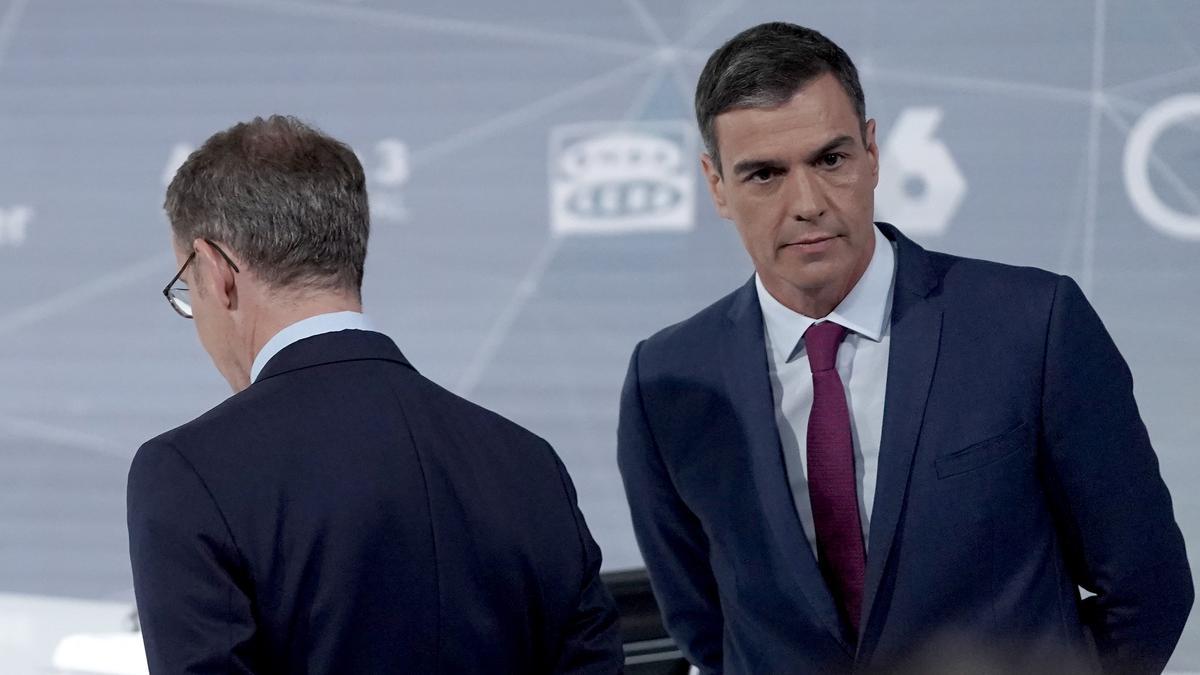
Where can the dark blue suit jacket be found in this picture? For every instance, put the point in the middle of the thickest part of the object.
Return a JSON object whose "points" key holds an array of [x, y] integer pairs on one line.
{"points": [[1013, 468], [346, 515]]}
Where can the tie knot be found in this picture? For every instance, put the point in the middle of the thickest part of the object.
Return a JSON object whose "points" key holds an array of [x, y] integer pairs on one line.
{"points": [[821, 341]]}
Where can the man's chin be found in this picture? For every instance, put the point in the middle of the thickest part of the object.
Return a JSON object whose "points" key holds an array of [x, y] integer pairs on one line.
{"points": [[814, 283], [812, 275]]}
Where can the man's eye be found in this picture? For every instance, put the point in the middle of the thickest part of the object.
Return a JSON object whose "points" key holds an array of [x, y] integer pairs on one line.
{"points": [[832, 160], [761, 176]]}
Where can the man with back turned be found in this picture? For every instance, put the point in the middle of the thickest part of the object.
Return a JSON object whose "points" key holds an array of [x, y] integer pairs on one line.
{"points": [[339, 513], [871, 452]]}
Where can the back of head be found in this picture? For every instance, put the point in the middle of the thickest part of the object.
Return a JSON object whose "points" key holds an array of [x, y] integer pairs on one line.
{"points": [[291, 201], [763, 67]]}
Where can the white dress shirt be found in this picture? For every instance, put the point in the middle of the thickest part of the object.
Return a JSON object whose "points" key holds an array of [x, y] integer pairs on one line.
{"points": [[306, 328], [862, 363]]}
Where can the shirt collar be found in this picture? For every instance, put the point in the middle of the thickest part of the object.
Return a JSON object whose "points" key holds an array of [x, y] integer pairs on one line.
{"points": [[865, 310], [306, 328]]}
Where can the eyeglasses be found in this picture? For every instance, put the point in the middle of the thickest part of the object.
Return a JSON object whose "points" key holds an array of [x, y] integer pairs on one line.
{"points": [[179, 296]]}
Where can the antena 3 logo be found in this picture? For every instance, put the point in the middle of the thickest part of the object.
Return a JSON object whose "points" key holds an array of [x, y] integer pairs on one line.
{"points": [[621, 177]]}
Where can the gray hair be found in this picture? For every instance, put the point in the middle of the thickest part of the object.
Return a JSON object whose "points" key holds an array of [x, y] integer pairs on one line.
{"points": [[291, 201], [763, 67]]}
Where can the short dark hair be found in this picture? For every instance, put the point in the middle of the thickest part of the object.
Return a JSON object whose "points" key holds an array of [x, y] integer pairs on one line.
{"points": [[763, 67], [291, 201]]}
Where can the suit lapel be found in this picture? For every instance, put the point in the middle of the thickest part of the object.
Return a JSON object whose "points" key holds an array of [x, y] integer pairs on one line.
{"points": [[749, 386], [915, 337]]}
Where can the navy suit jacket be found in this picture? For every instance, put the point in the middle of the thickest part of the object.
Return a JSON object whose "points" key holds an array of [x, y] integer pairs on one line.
{"points": [[344, 514], [1014, 468]]}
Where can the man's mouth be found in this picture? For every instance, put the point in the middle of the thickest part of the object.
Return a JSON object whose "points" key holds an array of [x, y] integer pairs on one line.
{"points": [[810, 242]]}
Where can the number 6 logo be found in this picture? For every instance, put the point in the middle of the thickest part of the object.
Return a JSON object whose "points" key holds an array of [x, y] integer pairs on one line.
{"points": [[920, 186]]}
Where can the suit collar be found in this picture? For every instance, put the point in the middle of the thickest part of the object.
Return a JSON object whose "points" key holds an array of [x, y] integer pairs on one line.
{"points": [[915, 273], [744, 304], [336, 347], [328, 322]]}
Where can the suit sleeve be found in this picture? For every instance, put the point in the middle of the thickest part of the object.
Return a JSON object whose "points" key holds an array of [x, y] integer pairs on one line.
{"points": [[592, 640], [1112, 505], [191, 592], [672, 540]]}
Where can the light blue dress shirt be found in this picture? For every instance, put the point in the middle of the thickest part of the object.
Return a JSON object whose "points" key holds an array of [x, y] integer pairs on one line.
{"points": [[306, 328]]}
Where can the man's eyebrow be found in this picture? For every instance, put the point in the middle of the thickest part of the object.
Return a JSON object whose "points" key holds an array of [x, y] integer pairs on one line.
{"points": [[830, 147], [753, 165], [747, 166]]}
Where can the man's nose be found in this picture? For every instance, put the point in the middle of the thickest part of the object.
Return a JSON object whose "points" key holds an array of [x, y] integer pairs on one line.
{"points": [[806, 196]]}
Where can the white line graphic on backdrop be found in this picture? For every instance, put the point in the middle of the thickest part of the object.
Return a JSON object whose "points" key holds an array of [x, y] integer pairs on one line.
{"points": [[504, 321], [647, 22], [527, 286], [84, 293], [1093, 148], [529, 112], [56, 433], [1162, 79], [432, 24], [710, 21], [980, 85], [667, 54]]}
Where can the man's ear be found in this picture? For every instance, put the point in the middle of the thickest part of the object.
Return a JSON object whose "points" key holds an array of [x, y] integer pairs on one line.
{"points": [[872, 150], [716, 185], [214, 275]]}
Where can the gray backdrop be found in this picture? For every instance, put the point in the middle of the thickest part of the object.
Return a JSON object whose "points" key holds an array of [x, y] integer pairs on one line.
{"points": [[538, 209]]}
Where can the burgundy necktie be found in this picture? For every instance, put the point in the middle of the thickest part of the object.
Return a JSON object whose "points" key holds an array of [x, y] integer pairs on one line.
{"points": [[831, 480]]}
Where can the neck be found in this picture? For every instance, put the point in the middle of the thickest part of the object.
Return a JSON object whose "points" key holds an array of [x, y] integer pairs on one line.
{"points": [[816, 302], [278, 313], [285, 314]]}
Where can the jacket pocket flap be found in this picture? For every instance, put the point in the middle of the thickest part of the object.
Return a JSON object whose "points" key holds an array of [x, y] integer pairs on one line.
{"points": [[982, 453]]}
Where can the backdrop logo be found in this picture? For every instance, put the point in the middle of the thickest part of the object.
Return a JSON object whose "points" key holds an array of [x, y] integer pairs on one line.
{"points": [[613, 178], [920, 186], [1139, 147], [14, 225], [387, 179], [176, 156]]}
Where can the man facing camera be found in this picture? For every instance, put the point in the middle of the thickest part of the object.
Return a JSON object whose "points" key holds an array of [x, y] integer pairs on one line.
{"points": [[871, 450], [340, 513]]}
